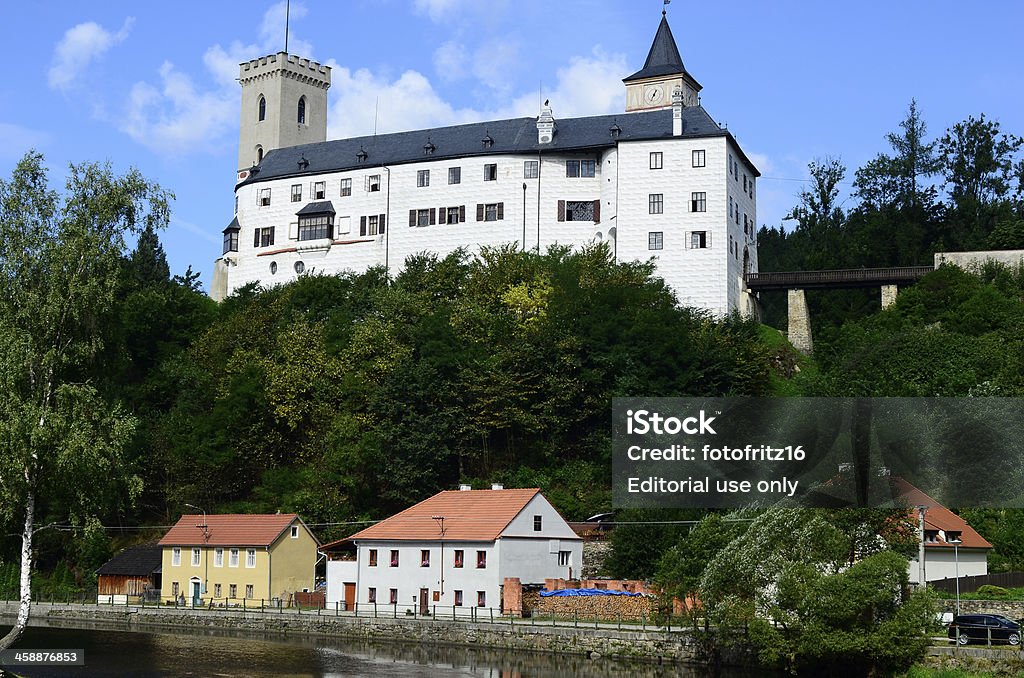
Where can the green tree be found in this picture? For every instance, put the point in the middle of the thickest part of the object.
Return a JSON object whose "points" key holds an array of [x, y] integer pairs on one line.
{"points": [[60, 265]]}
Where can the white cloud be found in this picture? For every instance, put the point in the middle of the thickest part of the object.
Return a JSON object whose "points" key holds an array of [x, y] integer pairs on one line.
{"points": [[80, 46], [450, 61], [762, 162], [272, 30], [587, 86], [438, 9], [195, 230]]}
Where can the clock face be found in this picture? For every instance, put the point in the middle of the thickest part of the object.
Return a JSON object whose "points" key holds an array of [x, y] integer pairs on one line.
{"points": [[654, 95]]}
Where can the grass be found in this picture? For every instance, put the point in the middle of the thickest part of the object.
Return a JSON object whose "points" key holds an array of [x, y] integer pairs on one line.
{"points": [[925, 672], [791, 369]]}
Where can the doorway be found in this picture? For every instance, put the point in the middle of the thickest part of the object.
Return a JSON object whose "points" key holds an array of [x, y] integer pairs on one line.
{"points": [[197, 589], [424, 602], [350, 595]]}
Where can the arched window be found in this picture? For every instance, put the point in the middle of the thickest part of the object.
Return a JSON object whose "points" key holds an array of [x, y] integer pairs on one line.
{"points": [[302, 110], [263, 109], [259, 154]]}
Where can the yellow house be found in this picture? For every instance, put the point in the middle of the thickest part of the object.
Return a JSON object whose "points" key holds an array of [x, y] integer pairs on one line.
{"points": [[237, 559]]}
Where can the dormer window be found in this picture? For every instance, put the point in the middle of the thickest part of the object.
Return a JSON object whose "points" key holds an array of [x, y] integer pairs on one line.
{"points": [[361, 156], [615, 130], [263, 109], [429, 148], [231, 237], [316, 221], [302, 111], [487, 141]]}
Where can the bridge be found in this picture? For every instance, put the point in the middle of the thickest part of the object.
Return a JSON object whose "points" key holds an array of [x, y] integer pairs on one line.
{"points": [[799, 328]]}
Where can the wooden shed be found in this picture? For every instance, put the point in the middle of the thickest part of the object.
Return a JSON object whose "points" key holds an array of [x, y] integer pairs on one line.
{"points": [[132, 574]]}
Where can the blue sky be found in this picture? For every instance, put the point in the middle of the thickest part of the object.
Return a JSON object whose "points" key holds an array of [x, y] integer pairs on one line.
{"points": [[151, 85]]}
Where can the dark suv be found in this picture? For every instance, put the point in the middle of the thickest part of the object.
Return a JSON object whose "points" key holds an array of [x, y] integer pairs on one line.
{"points": [[966, 628]]}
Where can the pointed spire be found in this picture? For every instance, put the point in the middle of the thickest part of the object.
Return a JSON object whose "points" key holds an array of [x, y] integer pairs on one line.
{"points": [[663, 59]]}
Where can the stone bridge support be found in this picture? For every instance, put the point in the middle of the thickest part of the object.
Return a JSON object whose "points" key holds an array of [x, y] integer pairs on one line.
{"points": [[798, 330], [889, 293]]}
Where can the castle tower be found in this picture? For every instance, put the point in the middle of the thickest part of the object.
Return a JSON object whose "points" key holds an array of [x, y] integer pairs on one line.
{"points": [[284, 103], [652, 86]]}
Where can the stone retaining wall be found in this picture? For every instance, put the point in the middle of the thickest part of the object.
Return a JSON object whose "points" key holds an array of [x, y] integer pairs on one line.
{"points": [[605, 608], [1014, 609]]}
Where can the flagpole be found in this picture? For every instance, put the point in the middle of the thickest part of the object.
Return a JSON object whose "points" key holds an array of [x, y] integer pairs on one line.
{"points": [[287, 14]]}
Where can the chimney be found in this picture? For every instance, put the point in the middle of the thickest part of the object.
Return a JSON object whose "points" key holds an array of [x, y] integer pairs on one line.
{"points": [[677, 112], [545, 124], [497, 486], [465, 488]]}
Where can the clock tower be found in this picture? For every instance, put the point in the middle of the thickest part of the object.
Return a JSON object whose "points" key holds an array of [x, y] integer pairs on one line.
{"points": [[652, 86]]}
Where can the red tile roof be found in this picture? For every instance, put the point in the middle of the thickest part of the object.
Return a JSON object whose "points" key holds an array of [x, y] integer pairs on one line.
{"points": [[229, 529], [938, 517], [470, 515]]}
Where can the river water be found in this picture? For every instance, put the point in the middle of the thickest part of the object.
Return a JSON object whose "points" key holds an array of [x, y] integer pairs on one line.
{"points": [[111, 652]]}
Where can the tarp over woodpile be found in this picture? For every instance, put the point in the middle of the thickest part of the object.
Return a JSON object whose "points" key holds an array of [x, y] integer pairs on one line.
{"points": [[565, 593]]}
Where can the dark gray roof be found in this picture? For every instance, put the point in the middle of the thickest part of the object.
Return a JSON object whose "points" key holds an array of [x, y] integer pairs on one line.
{"points": [[512, 136], [137, 560], [233, 226], [321, 207], [663, 59]]}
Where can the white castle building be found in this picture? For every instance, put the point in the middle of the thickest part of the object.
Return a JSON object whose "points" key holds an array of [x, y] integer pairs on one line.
{"points": [[662, 180]]}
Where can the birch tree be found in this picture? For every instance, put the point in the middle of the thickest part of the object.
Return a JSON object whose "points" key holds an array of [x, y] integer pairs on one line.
{"points": [[61, 441]]}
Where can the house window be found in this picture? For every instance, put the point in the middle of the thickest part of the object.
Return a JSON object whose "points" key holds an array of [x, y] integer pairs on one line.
{"points": [[656, 159], [458, 599], [655, 203], [295, 531], [730, 208], [538, 522], [264, 197], [425, 558], [233, 560], [394, 558], [744, 182], [393, 596], [580, 168], [491, 172], [698, 202], [299, 267], [373, 557], [301, 113], [531, 169], [263, 109], [564, 558], [419, 217], [218, 557], [296, 192], [481, 599], [250, 558], [481, 559], [319, 190], [316, 226], [372, 183], [216, 590], [698, 158], [372, 225], [232, 590], [263, 237], [455, 215], [952, 536], [454, 175], [175, 589], [490, 211], [196, 556], [459, 557], [699, 240], [371, 594], [259, 154], [230, 240], [655, 240], [579, 210], [346, 187], [248, 591], [176, 556], [422, 178]]}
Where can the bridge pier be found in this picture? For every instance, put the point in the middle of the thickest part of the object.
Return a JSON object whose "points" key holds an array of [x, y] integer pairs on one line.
{"points": [[798, 330], [889, 293]]}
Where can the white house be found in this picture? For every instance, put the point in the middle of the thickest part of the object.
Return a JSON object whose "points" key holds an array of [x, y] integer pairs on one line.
{"points": [[454, 550], [660, 181]]}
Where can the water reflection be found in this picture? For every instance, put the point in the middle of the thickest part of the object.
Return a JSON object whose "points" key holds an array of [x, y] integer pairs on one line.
{"points": [[110, 650]]}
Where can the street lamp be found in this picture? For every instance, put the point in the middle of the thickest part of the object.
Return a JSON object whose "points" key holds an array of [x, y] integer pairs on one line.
{"points": [[440, 527], [206, 540], [955, 541]]}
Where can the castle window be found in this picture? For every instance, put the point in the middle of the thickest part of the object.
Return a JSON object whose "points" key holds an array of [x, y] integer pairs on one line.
{"points": [[490, 211], [655, 203], [264, 237], [455, 215], [579, 210], [346, 187], [580, 168], [422, 178], [454, 175], [698, 202], [657, 159], [263, 109], [259, 154], [531, 169], [698, 158], [296, 192], [300, 268], [264, 197], [230, 241], [302, 111], [655, 240], [491, 172], [371, 225], [315, 226], [698, 240], [373, 183], [319, 190]]}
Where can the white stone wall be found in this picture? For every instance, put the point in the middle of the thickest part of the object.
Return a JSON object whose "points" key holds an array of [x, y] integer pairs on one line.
{"points": [[972, 260], [941, 564], [709, 278]]}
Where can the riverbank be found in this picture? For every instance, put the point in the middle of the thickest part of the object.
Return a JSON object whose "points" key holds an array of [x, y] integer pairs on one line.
{"points": [[659, 645]]}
